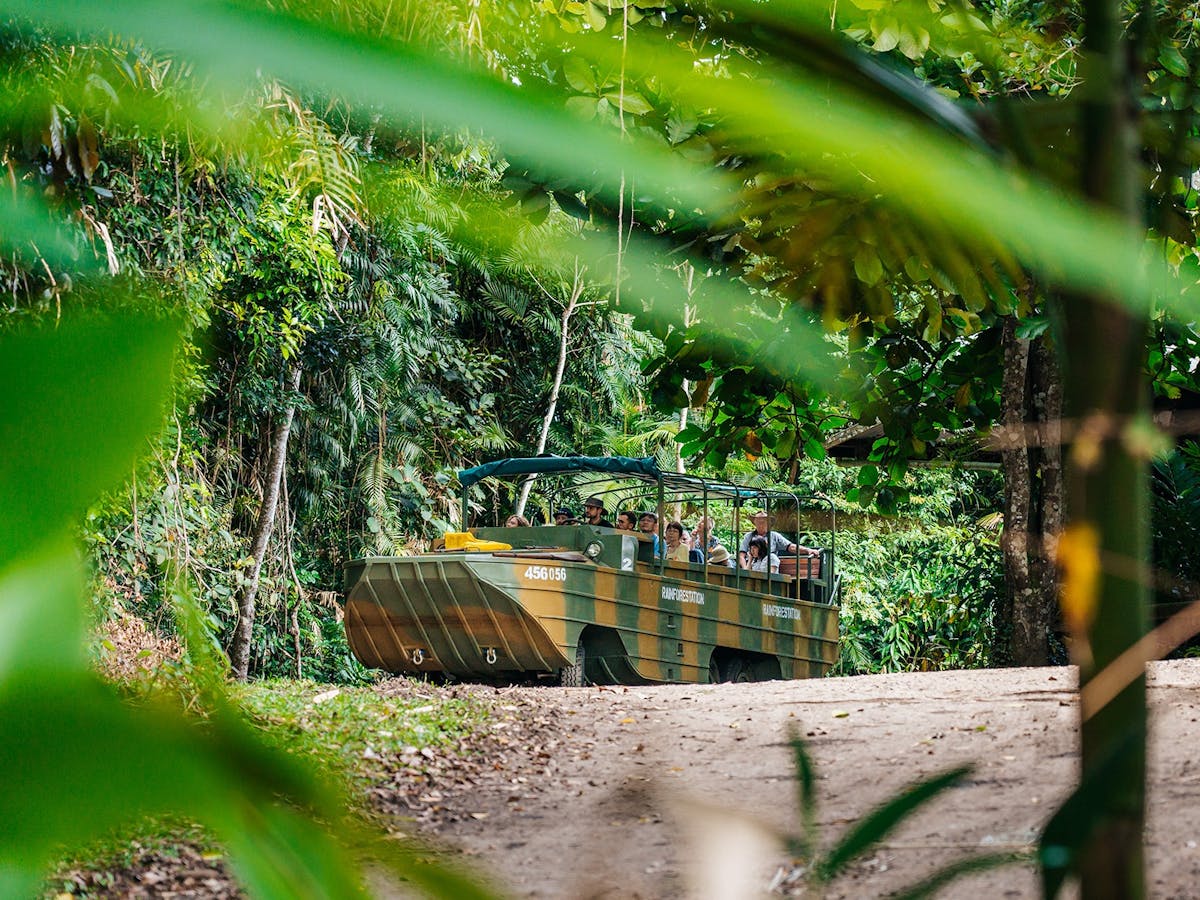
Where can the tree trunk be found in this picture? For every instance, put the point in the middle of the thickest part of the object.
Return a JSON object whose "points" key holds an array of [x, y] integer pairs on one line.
{"points": [[1018, 499], [1106, 484], [1045, 385], [239, 653], [1033, 498], [555, 387]]}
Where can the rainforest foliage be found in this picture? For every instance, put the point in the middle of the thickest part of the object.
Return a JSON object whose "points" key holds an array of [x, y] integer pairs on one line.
{"points": [[420, 347], [346, 243], [321, 243]]}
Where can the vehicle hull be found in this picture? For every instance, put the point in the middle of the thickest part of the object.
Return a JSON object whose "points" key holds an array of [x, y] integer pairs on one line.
{"points": [[491, 616]]}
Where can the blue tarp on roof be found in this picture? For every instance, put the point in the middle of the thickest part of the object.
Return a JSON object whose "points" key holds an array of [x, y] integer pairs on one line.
{"points": [[644, 467]]}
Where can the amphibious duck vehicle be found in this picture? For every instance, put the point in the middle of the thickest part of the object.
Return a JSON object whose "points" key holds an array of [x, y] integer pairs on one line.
{"points": [[582, 603]]}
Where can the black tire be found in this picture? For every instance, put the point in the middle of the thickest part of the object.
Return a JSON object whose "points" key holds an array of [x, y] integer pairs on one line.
{"points": [[573, 676], [767, 669], [738, 671], [714, 670]]}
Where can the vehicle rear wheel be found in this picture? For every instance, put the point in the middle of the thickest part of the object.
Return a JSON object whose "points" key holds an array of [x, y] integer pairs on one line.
{"points": [[714, 670], [573, 676], [767, 669]]}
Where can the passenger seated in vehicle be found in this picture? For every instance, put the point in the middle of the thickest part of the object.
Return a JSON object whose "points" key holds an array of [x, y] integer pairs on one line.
{"points": [[593, 513], [761, 559], [720, 557], [778, 544], [703, 538], [564, 516], [676, 548], [626, 520], [515, 521], [648, 524]]}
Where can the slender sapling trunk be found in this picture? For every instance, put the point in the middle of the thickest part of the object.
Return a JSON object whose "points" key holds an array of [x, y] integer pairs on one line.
{"points": [[239, 653]]}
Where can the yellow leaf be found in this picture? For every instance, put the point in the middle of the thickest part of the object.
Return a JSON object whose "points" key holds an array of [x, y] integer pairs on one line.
{"points": [[627, 721], [1078, 557]]}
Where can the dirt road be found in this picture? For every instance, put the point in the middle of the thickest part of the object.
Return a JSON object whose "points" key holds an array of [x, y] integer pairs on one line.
{"points": [[667, 791], [680, 791]]}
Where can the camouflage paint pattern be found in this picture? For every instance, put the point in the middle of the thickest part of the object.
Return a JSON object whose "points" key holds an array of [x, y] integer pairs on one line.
{"points": [[492, 615]]}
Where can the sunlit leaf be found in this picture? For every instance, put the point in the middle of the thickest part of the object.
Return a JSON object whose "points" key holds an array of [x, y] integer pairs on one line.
{"points": [[579, 75], [595, 17], [630, 102], [939, 182], [1174, 62], [1078, 556]]}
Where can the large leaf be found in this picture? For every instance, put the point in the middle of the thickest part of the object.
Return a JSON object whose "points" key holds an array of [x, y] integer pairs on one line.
{"points": [[235, 43], [41, 617], [794, 341], [882, 820], [806, 790], [929, 887], [26, 224], [841, 135], [76, 405], [824, 129], [1082, 815], [89, 763]]}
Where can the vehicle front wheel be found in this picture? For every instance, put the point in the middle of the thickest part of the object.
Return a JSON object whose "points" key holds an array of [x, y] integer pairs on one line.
{"points": [[573, 676]]}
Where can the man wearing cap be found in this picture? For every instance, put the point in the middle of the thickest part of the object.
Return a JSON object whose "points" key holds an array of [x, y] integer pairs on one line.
{"points": [[564, 516], [776, 542], [593, 513]]}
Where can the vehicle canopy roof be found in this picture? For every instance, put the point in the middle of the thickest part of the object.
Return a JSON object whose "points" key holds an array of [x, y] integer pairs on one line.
{"points": [[642, 468]]}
